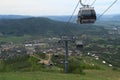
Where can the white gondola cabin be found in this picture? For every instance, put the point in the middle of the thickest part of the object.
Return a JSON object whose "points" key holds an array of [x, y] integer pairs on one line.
{"points": [[86, 15]]}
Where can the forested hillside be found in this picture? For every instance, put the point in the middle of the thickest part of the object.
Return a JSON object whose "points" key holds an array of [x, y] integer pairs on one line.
{"points": [[45, 26]]}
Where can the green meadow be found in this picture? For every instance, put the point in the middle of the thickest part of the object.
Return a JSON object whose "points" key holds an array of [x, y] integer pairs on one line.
{"points": [[89, 75]]}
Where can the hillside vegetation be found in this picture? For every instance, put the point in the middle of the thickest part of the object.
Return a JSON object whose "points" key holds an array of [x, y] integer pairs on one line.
{"points": [[45, 26], [27, 68]]}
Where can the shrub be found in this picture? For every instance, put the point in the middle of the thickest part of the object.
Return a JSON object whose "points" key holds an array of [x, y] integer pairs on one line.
{"points": [[75, 66]]}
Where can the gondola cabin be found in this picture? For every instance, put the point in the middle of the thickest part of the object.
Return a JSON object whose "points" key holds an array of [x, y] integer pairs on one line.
{"points": [[79, 45], [86, 15]]}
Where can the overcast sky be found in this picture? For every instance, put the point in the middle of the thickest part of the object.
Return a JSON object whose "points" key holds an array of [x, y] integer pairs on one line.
{"points": [[52, 7]]}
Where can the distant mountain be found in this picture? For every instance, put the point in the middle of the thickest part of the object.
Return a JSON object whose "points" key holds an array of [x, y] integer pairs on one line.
{"points": [[63, 18], [110, 18], [116, 17], [13, 17], [74, 18], [45, 26]]}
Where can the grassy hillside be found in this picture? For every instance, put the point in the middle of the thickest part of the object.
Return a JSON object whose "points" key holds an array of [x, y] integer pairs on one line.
{"points": [[105, 73], [90, 75]]}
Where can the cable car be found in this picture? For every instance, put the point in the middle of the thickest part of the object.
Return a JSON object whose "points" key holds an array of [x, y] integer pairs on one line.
{"points": [[79, 45], [86, 15]]}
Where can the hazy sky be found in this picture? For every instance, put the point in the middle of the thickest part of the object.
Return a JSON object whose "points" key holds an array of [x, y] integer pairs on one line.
{"points": [[52, 7]]}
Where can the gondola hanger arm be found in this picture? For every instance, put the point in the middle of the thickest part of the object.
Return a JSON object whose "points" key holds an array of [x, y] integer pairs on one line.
{"points": [[83, 4]]}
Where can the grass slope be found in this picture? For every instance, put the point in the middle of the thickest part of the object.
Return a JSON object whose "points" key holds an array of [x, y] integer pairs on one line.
{"points": [[105, 73], [90, 75]]}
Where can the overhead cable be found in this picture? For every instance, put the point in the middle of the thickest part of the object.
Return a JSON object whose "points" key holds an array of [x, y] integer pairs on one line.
{"points": [[93, 3], [107, 9], [73, 13]]}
